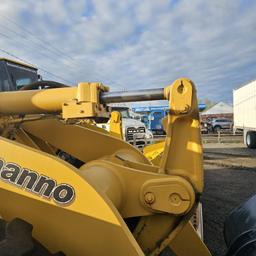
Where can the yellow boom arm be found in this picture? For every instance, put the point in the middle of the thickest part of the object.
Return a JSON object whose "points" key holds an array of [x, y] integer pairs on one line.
{"points": [[115, 202]]}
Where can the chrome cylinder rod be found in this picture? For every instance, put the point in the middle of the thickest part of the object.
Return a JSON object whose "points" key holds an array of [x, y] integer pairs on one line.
{"points": [[130, 96]]}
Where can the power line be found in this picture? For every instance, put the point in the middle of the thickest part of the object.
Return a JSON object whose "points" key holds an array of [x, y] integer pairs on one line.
{"points": [[4, 35], [110, 81], [71, 67], [72, 71], [41, 46], [49, 46], [44, 70], [19, 42]]}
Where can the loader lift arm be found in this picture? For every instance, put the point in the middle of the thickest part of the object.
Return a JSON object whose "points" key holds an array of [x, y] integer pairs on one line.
{"points": [[115, 175]]}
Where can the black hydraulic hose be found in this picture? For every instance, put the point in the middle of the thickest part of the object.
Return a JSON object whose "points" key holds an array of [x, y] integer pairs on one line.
{"points": [[43, 84]]}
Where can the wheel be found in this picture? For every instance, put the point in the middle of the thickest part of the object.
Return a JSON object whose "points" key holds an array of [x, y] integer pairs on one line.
{"points": [[251, 139], [239, 229], [16, 240], [216, 128]]}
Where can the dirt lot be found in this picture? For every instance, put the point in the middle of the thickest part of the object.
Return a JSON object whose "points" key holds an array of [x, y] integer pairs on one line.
{"points": [[225, 188]]}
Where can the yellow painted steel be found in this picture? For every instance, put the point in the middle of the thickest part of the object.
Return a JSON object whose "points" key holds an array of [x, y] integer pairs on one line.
{"points": [[115, 181], [78, 228], [132, 196], [19, 63], [115, 125], [154, 152], [35, 101], [178, 159], [83, 142], [73, 102], [187, 242], [195, 246], [183, 135], [86, 103]]}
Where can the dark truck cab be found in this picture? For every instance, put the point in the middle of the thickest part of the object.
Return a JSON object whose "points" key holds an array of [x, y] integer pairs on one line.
{"points": [[14, 75]]}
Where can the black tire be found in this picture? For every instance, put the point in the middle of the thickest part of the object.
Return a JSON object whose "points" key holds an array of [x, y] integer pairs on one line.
{"points": [[16, 240], [250, 139]]}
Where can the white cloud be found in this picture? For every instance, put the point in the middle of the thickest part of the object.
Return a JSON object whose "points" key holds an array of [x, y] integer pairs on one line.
{"points": [[137, 44]]}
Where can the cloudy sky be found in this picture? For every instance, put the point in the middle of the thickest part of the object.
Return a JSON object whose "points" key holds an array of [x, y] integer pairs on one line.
{"points": [[131, 44]]}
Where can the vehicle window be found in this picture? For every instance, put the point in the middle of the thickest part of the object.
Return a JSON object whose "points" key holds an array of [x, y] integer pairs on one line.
{"points": [[21, 75], [144, 119], [124, 112], [23, 81], [157, 114], [224, 120], [4, 82]]}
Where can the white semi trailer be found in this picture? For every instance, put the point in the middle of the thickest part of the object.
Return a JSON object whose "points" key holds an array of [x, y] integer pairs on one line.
{"points": [[244, 102]]}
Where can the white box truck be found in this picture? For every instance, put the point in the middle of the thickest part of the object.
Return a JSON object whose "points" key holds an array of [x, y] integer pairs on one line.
{"points": [[244, 102]]}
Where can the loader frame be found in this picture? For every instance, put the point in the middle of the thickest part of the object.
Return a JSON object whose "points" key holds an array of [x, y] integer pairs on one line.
{"points": [[115, 186]]}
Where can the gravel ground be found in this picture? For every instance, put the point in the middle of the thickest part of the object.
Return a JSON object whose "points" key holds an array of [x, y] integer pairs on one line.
{"points": [[238, 149], [225, 188]]}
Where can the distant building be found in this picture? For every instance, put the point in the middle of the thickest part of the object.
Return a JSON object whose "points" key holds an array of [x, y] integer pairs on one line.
{"points": [[219, 110]]}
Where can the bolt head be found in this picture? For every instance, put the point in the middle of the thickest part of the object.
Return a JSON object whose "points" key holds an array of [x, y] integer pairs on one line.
{"points": [[175, 199], [149, 198]]}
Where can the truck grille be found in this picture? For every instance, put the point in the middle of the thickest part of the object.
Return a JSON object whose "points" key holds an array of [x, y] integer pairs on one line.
{"points": [[132, 130]]}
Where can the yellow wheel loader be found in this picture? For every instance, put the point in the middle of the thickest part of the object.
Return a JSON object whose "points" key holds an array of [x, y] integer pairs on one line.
{"points": [[82, 191]]}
